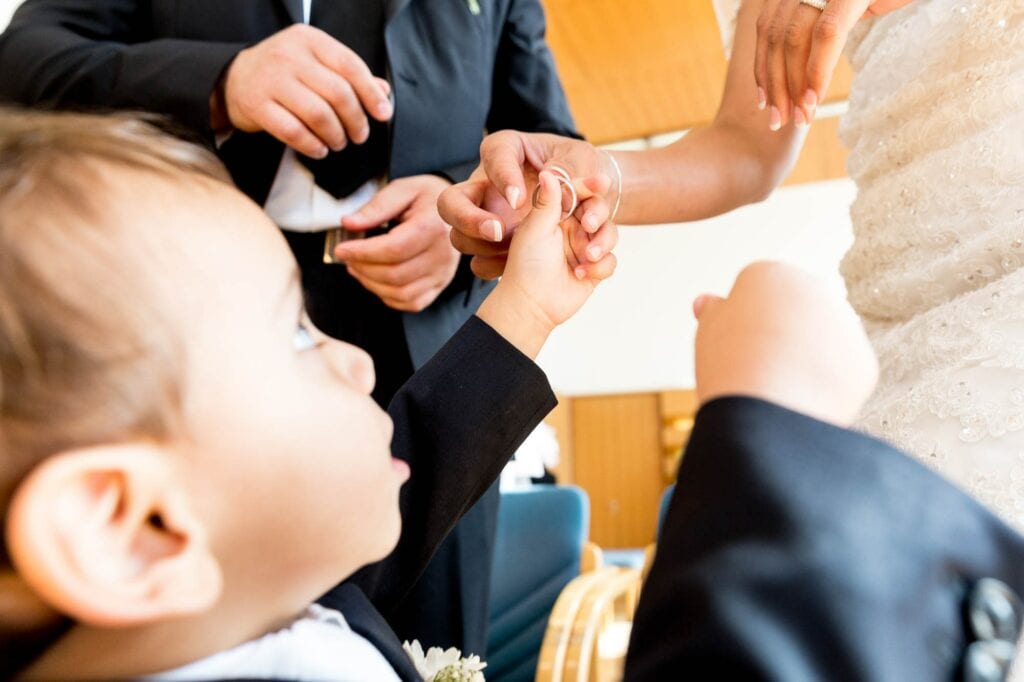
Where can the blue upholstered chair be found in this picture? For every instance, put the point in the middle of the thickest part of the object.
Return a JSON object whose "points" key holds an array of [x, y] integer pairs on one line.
{"points": [[541, 533]]}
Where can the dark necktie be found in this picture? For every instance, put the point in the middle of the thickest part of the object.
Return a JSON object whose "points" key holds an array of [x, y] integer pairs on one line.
{"points": [[359, 24]]}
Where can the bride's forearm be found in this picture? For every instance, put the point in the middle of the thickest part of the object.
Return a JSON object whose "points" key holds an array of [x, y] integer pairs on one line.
{"points": [[708, 172]]}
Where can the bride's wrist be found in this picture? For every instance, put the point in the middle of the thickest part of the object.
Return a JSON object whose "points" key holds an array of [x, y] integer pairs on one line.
{"points": [[613, 170]]}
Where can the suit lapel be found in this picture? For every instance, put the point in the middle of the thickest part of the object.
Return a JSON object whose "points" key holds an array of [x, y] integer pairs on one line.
{"points": [[366, 621], [294, 8]]}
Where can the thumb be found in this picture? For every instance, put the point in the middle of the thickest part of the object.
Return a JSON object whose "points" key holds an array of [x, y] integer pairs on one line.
{"points": [[704, 303], [547, 203], [387, 204]]}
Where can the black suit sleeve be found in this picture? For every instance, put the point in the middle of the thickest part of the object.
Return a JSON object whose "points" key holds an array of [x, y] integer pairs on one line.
{"points": [[101, 55], [794, 550], [458, 420]]}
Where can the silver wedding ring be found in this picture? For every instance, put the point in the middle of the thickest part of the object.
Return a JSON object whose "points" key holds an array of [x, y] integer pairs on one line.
{"points": [[564, 178], [816, 4]]}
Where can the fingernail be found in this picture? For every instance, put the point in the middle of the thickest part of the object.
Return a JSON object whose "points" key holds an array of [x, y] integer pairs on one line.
{"points": [[492, 230], [513, 194], [321, 153], [810, 101], [762, 98], [384, 109], [594, 252], [580, 272], [775, 119], [799, 119], [590, 221]]}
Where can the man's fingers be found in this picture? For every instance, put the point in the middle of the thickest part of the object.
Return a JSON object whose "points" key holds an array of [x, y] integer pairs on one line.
{"points": [[502, 156], [396, 275], [388, 204], [488, 267], [338, 93], [402, 243], [827, 42], [459, 206], [343, 61], [281, 123], [798, 47], [314, 112], [411, 297]]}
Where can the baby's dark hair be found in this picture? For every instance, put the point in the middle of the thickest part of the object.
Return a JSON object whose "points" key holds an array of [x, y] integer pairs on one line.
{"points": [[86, 357]]}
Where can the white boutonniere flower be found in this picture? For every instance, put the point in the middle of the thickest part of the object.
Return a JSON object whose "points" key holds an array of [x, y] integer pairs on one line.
{"points": [[438, 665], [474, 6]]}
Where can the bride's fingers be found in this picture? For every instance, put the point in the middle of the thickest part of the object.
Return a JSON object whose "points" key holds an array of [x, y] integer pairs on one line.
{"points": [[778, 92], [589, 248], [479, 247], [829, 38], [593, 213], [486, 267], [502, 156], [764, 21], [798, 47], [601, 270], [459, 206]]}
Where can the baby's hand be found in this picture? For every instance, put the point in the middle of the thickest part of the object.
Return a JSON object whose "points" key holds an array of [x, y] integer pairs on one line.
{"points": [[784, 337], [544, 282]]}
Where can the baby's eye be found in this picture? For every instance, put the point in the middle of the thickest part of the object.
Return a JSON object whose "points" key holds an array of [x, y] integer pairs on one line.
{"points": [[303, 339]]}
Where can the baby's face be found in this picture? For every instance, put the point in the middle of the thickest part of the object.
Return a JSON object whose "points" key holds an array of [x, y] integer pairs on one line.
{"points": [[289, 461]]}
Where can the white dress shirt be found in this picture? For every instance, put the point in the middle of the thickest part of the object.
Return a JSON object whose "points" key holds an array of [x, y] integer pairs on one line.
{"points": [[296, 203]]}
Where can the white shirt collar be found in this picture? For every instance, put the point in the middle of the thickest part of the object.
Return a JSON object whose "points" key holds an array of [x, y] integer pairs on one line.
{"points": [[318, 645]]}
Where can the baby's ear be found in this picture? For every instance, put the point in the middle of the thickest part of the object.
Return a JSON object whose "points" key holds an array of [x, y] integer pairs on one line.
{"points": [[106, 535]]}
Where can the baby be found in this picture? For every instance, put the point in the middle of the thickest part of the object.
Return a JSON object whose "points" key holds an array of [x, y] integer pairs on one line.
{"points": [[186, 463]]}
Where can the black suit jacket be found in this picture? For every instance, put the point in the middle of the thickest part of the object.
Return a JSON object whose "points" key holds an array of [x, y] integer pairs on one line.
{"points": [[454, 75], [457, 422], [792, 550]]}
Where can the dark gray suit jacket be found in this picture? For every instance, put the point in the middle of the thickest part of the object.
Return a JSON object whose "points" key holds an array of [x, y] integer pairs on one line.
{"points": [[455, 74]]}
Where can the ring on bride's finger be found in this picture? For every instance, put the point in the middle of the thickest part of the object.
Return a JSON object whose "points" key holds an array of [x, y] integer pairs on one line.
{"points": [[563, 178], [816, 4]]}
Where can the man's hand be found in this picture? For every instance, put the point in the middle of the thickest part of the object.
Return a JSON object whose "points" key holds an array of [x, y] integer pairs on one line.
{"points": [[410, 266], [783, 337], [798, 48], [305, 88], [485, 211], [544, 283]]}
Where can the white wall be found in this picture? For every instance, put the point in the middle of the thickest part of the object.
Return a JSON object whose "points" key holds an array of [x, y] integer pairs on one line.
{"points": [[636, 333]]}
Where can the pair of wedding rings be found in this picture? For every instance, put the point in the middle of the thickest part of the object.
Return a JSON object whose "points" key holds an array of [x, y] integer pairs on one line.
{"points": [[565, 180]]}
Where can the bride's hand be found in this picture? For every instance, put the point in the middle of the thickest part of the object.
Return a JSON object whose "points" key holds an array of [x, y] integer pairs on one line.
{"points": [[485, 210], [798, 48]]}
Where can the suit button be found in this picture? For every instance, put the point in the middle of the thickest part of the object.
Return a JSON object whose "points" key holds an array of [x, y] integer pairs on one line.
{"points": [[994, 611], [988, 661]]}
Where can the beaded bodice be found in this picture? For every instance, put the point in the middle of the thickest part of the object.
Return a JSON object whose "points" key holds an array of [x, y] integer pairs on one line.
{"points": [[936, 138]]}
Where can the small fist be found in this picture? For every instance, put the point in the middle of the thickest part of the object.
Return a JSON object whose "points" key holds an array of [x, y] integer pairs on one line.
{"points": [[783, 336]]}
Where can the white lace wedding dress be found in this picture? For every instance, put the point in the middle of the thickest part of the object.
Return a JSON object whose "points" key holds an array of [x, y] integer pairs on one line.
{"points": [[935, 130]]}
